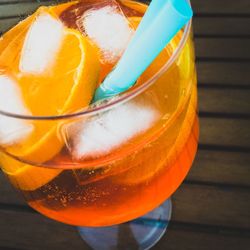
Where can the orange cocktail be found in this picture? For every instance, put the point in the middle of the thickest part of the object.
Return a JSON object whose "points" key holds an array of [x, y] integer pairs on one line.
{"points": [[99, 164]]}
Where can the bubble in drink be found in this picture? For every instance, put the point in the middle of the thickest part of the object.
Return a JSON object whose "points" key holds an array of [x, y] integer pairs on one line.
{"points": [[41, 44], [12, 130], [105, 132]]}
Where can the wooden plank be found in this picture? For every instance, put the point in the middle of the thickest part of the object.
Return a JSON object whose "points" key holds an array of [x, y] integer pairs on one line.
{"points": [[224, 100], [22, 8], [224, 73], [6, 24], [225, 132], [33, 231], [8, 195], [212, 205], [228, 7], [177, 238], [223, 168], [22, 1], [40, 233], [226, 48], [13, 1], [221, 27]]}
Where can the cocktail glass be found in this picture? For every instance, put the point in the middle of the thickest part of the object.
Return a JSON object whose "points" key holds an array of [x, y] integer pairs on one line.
{"points": [[110, 169]]}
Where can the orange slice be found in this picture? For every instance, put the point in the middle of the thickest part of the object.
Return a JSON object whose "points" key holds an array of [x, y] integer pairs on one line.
{"points": [[66, 87], [12, 37]]}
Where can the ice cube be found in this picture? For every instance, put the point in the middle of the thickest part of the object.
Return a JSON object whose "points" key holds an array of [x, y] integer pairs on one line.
{"points": [[105, 132], [41, 44], [108, 28], [12, 130]]}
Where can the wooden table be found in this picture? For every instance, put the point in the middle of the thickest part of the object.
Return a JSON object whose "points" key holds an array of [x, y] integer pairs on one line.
{"points": [[211, 209]]}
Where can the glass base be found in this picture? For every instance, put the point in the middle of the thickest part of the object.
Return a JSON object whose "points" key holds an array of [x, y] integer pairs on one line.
{"points": [[141, 233]]}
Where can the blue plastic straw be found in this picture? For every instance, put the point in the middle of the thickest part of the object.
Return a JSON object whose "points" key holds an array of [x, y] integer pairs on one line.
{"points": [[149, 15], [162, 22]]}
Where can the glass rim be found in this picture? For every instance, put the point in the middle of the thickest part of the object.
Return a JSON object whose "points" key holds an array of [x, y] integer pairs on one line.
{"points": [[118, 99]]}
